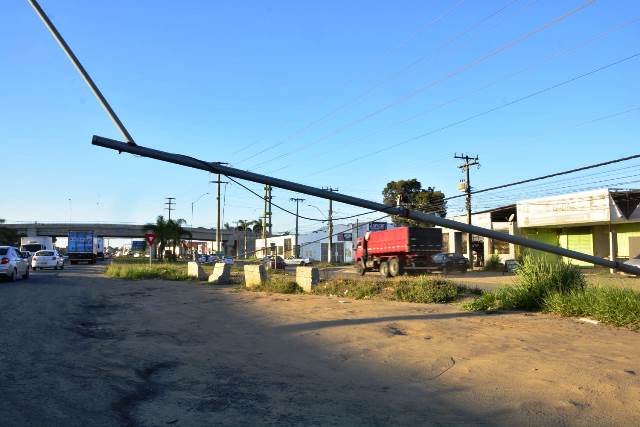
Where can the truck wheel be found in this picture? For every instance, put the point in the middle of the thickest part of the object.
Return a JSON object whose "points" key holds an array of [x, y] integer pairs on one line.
{"points": [[395, 267], [384, 269], [360, 268]]}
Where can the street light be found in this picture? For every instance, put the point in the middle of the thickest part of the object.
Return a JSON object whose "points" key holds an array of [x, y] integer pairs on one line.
{"points": [[321, 213], [192, 204]]}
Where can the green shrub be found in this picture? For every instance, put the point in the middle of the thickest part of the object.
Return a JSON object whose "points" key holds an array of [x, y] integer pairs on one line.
{"points": [[280, 285], [426, 290], [535, 279], [358, 289], [493, 264], [166, 271], [614, 306], [422, 289]]}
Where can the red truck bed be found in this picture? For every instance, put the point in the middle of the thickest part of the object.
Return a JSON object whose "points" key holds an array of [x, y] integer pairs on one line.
{"points": [[405, 240]]}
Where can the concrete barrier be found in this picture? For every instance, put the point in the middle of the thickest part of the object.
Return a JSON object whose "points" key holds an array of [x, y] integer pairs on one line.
{"points": [[195, 270], [307, 277], [254, 275], [221, 273]]}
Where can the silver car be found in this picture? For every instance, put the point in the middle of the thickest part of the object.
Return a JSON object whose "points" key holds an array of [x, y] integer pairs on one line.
{"points": [[13, 263], [634, 261]]}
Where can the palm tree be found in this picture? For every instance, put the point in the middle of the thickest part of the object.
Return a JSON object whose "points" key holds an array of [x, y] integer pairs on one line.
{"points": [[257, 226], [176, 233], [162, 230]]}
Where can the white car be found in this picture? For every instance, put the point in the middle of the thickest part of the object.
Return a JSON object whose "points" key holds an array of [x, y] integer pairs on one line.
{"points": [[13, 263], [297, 261], [47, 259]]}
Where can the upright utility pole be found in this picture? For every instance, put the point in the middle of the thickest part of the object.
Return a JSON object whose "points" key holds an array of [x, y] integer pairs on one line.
{"points": [[269, 211], [170, 203], [330, 219], [468, 162], [218, 234], [265, 216], [297, 247]]}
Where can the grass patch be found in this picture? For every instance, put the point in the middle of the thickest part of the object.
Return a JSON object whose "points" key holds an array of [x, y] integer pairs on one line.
{"points": [[134, 271], [278, 284], [614, 306], [421, 289], [556, 287], [535, 280]]}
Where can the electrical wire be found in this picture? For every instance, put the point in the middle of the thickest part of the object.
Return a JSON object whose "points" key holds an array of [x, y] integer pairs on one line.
{"points": [[411, 94], [558, 54], [369, 90], [480, 114], [293, 213]]}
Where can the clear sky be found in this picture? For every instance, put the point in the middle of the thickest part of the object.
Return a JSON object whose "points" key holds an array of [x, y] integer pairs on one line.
{"points": [[327, 93]]}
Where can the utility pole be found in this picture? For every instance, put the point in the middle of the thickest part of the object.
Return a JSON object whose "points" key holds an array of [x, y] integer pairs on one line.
{"points": [[218, 234], [266, 217], [330, 219], [170, 203], [269, 211], [297, 247], [468, 162]]}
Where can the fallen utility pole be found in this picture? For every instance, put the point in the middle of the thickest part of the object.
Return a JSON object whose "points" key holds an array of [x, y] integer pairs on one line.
{"points": [[427, 218]]}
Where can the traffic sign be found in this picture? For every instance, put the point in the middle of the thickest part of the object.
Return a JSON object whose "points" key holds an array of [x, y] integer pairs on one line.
{"points": [[150, 238]]}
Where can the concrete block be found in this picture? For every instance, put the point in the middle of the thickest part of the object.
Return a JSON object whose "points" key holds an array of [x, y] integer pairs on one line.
{"points": [[221, 273], [307, 277], [195, 270], [254, 275]]}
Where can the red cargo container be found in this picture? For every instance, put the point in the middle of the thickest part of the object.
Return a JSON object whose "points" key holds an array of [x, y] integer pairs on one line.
{"points": [[392, 251]]}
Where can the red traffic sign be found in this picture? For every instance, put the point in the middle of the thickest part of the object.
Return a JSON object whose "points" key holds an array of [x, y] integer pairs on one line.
{"points": [[150, 238]]}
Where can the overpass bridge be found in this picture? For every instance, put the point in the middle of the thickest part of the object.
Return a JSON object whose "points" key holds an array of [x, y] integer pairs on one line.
{"points": [[133, 231]]}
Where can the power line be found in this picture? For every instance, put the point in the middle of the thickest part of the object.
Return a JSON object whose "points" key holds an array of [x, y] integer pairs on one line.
{"points": [[503, 78], [368, 91], [293, 213], [477, 115], [409, 95]]}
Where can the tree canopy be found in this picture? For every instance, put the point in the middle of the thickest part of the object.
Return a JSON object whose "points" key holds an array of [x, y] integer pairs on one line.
{"points": [[409, 193]]}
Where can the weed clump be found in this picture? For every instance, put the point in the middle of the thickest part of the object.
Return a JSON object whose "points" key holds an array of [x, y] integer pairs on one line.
{"points": [[140, 272], [614, 306], [426, 290], [279, 285], [556, 287], [536, 279], [422, 289]]}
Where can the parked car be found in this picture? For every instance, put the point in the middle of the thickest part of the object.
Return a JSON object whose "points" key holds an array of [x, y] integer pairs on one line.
{"points": [[227, 260], [297, 261], [450, 262], [274, 262], [13, 263], [47, 259]]}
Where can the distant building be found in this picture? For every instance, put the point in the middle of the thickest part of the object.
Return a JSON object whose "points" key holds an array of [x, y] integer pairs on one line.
{"points": [[602, 222]]}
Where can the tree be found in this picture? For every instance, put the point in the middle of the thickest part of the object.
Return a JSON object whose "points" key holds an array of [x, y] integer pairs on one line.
{"points": [[8, 236], [257, 226], [161, 229], [175, 234], [411, 195]]}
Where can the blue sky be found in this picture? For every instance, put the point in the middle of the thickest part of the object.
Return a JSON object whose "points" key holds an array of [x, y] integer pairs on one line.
{"points": [[313, 85]]}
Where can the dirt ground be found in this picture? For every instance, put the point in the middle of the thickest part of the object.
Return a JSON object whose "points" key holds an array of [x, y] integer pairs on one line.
{"points": [[77, 348]]}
